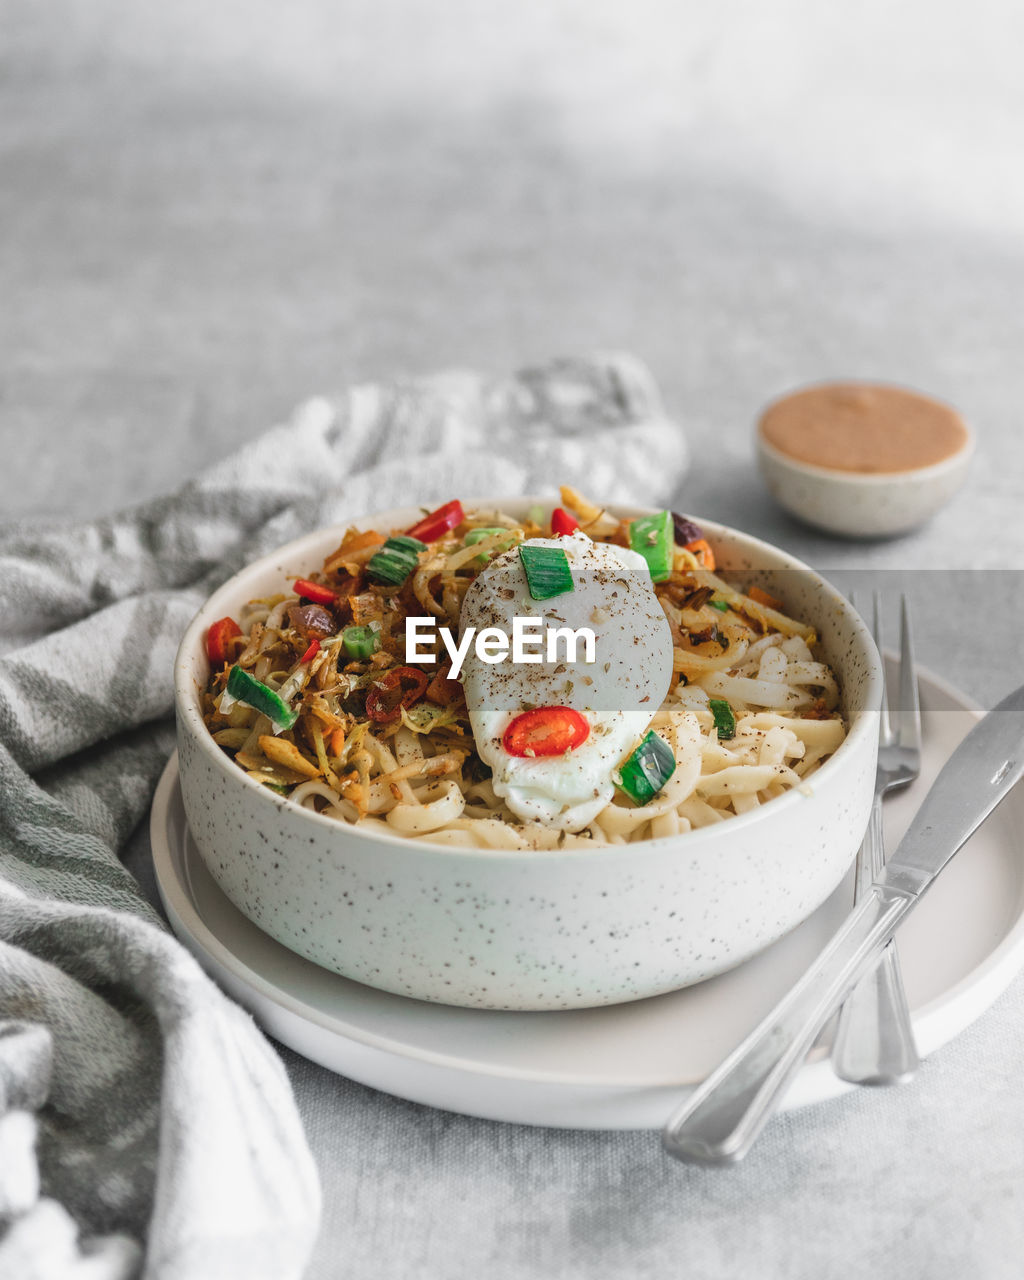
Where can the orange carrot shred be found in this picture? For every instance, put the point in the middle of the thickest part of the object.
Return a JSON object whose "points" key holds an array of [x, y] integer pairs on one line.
{"points": [[701, 548], [356, 541], [766, 598]]}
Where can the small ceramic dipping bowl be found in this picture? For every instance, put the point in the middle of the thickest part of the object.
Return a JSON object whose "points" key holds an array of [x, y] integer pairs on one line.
{"points": [[863, 460], [553, 929]]}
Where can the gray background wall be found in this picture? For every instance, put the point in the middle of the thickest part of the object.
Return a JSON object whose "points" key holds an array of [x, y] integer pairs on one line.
{"points": [[208, 211]]}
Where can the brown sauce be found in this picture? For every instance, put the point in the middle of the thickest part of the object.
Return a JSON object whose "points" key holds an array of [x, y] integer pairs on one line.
{"points": [[858, 426]]}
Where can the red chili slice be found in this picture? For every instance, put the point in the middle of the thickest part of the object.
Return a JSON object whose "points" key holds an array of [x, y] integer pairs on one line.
{"points": [[311, 652], [400, 687], [545, 731], [431, 527], [217, 640], [562, 523], [314, 591]]}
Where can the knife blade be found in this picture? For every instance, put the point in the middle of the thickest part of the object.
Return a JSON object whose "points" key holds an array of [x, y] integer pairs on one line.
{"points": [[720, 1120], [979, 773]]}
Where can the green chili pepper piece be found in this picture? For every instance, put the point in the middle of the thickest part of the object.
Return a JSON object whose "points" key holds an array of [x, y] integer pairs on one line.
{"points": [[653, 537]]}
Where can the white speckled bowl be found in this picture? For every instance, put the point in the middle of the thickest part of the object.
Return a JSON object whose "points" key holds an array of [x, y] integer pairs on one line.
{"points": [[533, 930], [856, 505]]}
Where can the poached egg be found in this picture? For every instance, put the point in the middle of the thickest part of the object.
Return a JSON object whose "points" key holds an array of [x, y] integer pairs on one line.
{"points": [[617, 693]]}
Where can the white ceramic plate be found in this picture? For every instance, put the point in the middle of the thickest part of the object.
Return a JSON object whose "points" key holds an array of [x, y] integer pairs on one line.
{"points": [[623, 1066]]}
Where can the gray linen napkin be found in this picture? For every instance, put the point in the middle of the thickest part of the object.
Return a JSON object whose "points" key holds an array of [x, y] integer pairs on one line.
{"points": [[146, 1127]]}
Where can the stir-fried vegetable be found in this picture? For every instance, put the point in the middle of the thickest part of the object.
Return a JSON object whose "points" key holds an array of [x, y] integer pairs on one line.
{"points": [[725, 720], [765, 597], [547, 571], [652, 536], [396, 559], [701, 549], [400, 687], [285, 753], [545, 731], [433, 526], [323, 666], [479, 535], [242, 687], [487, 531], [647, 769], [218, 638], [685, 530], [562, 523], [691, 536], [312, 621], [360, 643], [315, 591], [444, 690], [425, 717]]}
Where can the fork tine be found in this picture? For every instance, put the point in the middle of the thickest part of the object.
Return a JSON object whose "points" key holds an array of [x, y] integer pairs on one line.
{"points": [[884, 725], [909, 715]]}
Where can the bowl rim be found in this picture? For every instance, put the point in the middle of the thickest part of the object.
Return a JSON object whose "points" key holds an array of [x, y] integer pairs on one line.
{"points": [[187, 708]]}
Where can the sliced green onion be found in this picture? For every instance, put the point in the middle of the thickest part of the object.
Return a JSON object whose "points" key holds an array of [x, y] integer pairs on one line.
{"points": [[396, 559], [547, 571], [478, 535], [721, 605], [725, 721], [360, 643], [653, 537], [243, 687], [647, 769], [403, 542]]}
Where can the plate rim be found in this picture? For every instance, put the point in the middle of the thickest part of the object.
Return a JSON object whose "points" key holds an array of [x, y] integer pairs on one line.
{"points": [[984, 983]]}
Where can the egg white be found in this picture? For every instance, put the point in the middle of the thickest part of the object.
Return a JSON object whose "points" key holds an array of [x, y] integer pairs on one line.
{"points": [[618, 693]]}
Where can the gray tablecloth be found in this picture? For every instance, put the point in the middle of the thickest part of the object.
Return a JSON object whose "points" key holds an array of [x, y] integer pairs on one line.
{"points": [[207, 218]]}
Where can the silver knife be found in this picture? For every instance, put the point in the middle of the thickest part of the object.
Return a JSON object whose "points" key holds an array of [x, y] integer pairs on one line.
{"points": [[720, 1120]]}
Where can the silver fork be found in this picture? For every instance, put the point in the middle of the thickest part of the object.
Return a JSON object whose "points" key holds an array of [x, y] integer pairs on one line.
{"points": [[874, 1041]]}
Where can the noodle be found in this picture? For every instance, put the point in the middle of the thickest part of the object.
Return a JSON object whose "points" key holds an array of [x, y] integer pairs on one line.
{"points": [[419, 776]]}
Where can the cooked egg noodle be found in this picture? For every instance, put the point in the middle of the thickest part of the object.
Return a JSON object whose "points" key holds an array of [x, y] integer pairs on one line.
{"points": [[430, 784]]}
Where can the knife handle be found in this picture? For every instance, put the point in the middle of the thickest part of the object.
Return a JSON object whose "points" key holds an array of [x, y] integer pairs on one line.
{"points": [[720, 1120], [874, 1041]]}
